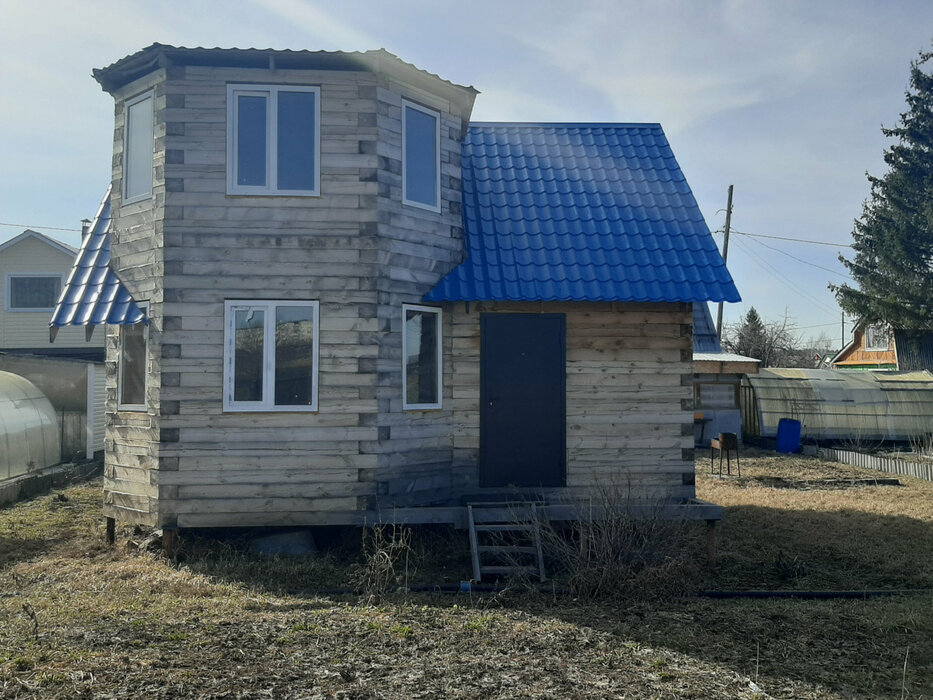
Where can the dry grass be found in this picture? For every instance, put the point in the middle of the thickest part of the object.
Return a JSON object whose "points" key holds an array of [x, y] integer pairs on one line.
{"points": [[810, 537], [80, 620]]}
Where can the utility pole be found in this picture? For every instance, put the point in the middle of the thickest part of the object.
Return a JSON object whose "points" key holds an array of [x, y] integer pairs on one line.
{"points": [[842, 344], [725, 256]]}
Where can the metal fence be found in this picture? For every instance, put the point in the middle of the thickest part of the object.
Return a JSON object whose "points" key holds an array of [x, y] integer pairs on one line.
{"points": [[891, 465]]}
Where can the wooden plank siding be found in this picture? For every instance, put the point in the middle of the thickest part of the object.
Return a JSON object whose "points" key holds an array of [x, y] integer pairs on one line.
{"points": [[857, 355], [361, 253], [131, 452], [629, 396]]}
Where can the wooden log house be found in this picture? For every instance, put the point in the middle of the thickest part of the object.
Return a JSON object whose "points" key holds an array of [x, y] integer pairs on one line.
{"points": [[350, 304]]}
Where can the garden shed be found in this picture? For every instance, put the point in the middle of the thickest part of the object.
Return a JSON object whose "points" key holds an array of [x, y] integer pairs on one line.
{"points": [[717, 380], [840, 406]]}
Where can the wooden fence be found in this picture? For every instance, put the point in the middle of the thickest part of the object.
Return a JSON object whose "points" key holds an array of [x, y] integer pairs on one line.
{"points": [[890, 465]]}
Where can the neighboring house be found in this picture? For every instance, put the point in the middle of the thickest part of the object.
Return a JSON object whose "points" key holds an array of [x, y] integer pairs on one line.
{"points": [[879, 347], [33, 270], [717, 380], [350, 303]]}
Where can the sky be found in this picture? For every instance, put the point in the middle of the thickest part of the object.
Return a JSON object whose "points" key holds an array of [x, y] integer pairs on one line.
{"points": [[784, 100]]}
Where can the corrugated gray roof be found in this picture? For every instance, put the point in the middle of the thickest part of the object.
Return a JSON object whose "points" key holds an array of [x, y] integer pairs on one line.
{"points": [[157, 55]]}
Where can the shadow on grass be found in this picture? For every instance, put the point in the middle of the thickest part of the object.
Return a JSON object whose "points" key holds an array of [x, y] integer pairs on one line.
{"points": [[849, 648], [14, 550], [773, 548], [855, 648], [439, 555]]}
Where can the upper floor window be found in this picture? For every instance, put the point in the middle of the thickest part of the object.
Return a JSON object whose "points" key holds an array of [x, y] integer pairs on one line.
{"points": [[138, 147], [273, 139], [33, 292], [421, 156], [877, 337], [421, 357], [271, 356]]}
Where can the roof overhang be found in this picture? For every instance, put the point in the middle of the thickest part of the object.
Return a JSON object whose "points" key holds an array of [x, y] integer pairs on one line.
{"points": [[162, 56], [94, 295], [724, 363]]}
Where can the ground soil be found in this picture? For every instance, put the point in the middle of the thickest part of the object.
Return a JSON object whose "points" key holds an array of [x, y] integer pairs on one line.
{"points": [[81, 619]]}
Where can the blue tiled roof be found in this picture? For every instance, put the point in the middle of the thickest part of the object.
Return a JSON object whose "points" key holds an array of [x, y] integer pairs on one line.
{"points": [[705, 337], [93, 294], [582, 212]]}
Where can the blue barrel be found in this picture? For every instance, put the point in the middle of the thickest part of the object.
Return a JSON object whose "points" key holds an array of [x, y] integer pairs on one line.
{"points": [[788, 436]]}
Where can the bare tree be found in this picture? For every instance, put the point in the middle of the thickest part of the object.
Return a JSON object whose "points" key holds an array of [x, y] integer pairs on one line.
{"points": [[775, 343]]}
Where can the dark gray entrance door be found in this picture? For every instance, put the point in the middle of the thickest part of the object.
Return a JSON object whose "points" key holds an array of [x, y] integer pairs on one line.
{"points": [[523, 402]]}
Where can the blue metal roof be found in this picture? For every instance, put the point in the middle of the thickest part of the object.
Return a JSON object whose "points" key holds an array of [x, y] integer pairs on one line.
{"points": [[582, 212], [705, 337], [93, 294]]}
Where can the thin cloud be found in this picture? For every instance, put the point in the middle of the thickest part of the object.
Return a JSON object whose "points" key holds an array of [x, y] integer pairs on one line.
{"points": [[329, 33]]}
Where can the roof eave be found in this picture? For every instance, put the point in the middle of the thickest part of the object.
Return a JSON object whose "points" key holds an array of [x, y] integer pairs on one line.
{"points": [[156, 56]]}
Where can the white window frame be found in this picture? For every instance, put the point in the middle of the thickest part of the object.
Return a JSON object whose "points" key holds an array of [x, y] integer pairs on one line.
{"points": [[268, 358], [150, 95], [8, 299], [439, 355], [437, 154], [877, 329], [144, 306], [270, 92]]}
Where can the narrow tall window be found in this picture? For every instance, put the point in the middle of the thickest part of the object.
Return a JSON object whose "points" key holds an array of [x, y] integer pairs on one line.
{"points": [[421, 161], [138, 148], [133, 366], [33, 292], [271, 356], [421, 357], [273, 139]]}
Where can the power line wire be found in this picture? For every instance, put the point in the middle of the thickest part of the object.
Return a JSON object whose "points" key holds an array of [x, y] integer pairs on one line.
{"points": [[785, 238], [782, 278], [801, 260], [35, 226], [818, 325]]}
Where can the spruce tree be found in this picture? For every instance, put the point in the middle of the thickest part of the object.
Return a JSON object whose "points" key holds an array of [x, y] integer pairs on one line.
{"points": [[748, 336], [893, 239]]}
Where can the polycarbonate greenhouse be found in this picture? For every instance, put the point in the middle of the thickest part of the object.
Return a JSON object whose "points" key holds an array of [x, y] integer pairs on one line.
{"points": [[28, 428], [835, 405]]}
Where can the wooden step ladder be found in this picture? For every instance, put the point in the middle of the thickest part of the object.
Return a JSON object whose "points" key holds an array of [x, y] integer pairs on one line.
{"points": [[509, 535]]}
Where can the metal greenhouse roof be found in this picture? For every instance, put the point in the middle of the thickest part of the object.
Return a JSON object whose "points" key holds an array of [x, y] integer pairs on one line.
{"points": [[93, 294], [580, 212], [839, 405]]}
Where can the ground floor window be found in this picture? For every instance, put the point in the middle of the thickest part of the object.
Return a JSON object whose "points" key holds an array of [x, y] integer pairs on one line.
{"points": [[134, 341], [271, 356], [717, 396], [421, 357]]}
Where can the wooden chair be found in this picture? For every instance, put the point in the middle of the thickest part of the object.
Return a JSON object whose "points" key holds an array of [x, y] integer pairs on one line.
{"points": [[725, 443]]}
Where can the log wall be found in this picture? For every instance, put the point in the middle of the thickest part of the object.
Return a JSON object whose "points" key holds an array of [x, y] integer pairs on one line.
{"points": [[131, 446], [184, 462], [629, 395]]}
